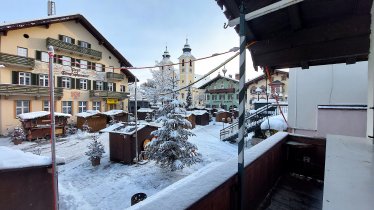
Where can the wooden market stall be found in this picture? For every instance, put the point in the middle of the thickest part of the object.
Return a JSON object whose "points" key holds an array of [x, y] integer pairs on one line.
{"points": [[25, 180], [201, 117], [37, 124], [116, 115], [94, 119], [191, 118], [223, 116], [122, 141], [143, 112]]}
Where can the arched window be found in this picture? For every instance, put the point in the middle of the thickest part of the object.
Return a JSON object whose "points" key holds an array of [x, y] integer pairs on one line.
{"points": [[183, 62], [190, 62]]}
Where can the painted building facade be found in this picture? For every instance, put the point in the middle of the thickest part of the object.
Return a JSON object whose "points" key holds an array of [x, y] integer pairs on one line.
{"points": [[221, 92], [87, 72], [186, 72], [279, 83]]}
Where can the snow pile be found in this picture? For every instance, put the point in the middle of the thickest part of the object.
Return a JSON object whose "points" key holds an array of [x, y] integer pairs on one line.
{"points": [[113, 112], [88, 113], [189, 190], [34, 115], [276, 123], [11, 159]]}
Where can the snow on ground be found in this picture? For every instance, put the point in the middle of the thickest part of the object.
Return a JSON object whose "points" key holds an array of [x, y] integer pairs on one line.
{"points": [[111, 185]]}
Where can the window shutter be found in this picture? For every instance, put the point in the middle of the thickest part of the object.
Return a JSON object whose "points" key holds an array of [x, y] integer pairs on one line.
{"points": [[60, 37], [77, 63], [55, 58], [79, 42], [94, 85], [89, 45], [34, 79], [88, 84], [89, 65], [105, 86], [59, 60], [38, 55], [77, 84], [15, 77], [59, 81], [72, 62], [93, 66], [114, 87], [72, 41], [103, 68], [72, 80]]}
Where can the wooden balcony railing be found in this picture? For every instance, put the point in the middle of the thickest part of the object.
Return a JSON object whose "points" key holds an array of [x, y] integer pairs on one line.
{"points": [[27, 90], [108, 94], [73, 48], [16, 60], [114, 76], [223, 90]]}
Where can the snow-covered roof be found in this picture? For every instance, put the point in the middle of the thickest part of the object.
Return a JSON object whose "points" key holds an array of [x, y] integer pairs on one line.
{"points": [[111, 128], [88, 113], [145, 110], [114, 112], [12, 159], [189, 190], [198, 112], [217, 78], [34, 115], [129, 130]]}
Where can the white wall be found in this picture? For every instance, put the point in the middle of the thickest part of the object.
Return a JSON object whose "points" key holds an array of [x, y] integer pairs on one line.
{"points": [[370, 114], [324, 85]]}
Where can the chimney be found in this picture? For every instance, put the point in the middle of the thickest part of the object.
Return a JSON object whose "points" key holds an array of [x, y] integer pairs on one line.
{"points": [[237, 76]]}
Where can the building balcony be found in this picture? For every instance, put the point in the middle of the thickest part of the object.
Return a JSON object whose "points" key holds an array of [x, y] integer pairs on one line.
{"points": [[28, 90], [114, 76], [108, 94], [73, 48], [225, 90], [15, 60]]}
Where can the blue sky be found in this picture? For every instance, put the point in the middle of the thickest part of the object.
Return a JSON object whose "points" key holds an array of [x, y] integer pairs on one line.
{"points": [[140, 29]]}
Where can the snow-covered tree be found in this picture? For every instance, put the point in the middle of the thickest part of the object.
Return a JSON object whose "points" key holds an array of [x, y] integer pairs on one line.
{"points": [[188, 99], [95, 149], [171, 148], [18, 134], [149, 91]]}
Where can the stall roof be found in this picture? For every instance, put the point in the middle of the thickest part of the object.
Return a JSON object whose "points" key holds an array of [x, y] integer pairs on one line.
{"points": [[15, 159], [305, 34], [88, 113], [34, 115], [114, 112], [145, 110]]}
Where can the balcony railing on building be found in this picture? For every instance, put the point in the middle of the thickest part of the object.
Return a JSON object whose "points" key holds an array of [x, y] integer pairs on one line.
{"points": [[15, 60], [28, 90], [223, 90], [108, 94], [73, 48], [114, 76]]}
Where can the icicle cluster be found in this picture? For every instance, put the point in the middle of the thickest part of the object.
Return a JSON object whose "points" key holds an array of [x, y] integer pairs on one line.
{"points": [[171, 148], [18, 134], [95, 149]]}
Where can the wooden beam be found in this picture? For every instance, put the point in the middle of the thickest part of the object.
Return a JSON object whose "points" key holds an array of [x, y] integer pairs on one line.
{"points": [[294, 15]]}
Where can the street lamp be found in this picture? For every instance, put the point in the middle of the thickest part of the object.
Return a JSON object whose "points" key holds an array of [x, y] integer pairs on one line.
{"points": [[258, 91]]}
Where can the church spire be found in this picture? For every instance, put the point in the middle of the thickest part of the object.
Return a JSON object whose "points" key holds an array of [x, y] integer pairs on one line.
{"points": [[166, 53], [186, 47]]}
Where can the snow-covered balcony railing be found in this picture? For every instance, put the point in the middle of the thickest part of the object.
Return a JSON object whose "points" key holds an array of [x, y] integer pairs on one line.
{"points": [[18, 61], [73, 48], [28, 90], [215, 186]]}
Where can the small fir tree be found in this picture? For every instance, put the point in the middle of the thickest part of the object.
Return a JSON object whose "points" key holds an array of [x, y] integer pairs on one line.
{"points": [[95, 149], [189, 99], [171, 148], [18, 134]]}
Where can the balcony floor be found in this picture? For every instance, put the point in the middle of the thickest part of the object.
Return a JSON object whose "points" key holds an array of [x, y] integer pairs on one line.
{"points": [[292, 192]]}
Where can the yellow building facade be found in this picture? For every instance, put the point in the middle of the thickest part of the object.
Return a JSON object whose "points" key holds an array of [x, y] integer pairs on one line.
{"points": [[87, 72]]}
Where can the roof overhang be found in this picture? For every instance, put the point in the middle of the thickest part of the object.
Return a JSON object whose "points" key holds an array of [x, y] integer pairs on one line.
{"points": [[312, 32]]}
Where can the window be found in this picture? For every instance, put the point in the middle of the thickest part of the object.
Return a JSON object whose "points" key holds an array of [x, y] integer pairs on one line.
{"points": [[83, 84], [111, 69], [182, 81], [183, 62], [284, 77], [82, 106], [67, 39], [123, 88], [84, 44], [83, 64], [67, 107], [46, 106], [66, 82], [96, 105], [22, 51], [99, 67], [66, 61], [230, 97], [222, 97], [43, 80], [207, 97], [182, 95], [41, 56], [110, 86], [182, 69], [190, 64], [22, 107], [99, 85], [191, 70], [24, 78], [222, 86]]}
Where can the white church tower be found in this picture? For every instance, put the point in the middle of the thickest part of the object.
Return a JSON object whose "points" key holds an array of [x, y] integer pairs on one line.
{"points": [[186, 70]]}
